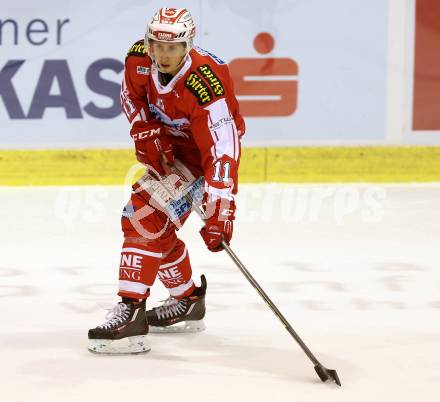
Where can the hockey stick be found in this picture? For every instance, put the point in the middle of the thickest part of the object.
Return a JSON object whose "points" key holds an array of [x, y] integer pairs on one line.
{"points": [[323, 372]]}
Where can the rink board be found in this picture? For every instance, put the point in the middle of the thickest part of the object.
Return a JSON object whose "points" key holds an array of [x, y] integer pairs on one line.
{"points": [[296, 165]]}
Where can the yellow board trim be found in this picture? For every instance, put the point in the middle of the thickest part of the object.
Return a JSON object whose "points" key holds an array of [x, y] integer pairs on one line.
{"points": [[381, 164]]}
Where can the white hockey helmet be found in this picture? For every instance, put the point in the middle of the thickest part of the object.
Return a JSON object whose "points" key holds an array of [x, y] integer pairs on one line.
{"points": [[171, 25]]}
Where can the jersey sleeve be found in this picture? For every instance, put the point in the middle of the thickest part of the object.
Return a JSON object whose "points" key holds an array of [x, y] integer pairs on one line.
{"points": [[134, 101], [217, 129]]}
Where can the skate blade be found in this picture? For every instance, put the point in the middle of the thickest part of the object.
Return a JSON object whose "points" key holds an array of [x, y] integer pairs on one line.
{"points": [[132, 345], [180, 327]]}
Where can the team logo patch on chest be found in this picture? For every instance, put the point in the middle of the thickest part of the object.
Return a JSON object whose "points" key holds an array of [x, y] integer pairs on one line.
{"points": [[212, 80], [198, 88]]}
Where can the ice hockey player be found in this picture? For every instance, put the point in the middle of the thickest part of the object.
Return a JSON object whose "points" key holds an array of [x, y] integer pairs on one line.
{"points": [[180, 102]]}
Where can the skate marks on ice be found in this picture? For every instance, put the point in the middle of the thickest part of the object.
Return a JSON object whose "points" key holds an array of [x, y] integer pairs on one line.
{"points": [[319, 287], [299, 286]]}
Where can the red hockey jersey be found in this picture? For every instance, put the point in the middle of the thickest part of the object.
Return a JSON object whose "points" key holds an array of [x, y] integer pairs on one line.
{"points": [[199, 108]]}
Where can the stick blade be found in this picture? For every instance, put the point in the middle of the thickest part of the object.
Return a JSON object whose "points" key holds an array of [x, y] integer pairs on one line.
{"points": [[327, 374]]}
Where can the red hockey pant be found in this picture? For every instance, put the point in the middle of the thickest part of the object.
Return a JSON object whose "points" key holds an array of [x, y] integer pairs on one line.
{"points": [[151, 248]]}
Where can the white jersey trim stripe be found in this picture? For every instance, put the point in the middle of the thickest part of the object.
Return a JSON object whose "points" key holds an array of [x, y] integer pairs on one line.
{"points": [[136, 118], [170, 86], [224, 135], [142, 252], [143, 115]]}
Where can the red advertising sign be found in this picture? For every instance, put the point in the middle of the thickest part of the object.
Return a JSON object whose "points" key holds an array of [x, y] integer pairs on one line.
{"points": [[426, 101], [265, 86]]}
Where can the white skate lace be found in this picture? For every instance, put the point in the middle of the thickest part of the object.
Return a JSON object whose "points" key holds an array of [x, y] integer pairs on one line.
{"points": [[116, 316], [170, 308]]}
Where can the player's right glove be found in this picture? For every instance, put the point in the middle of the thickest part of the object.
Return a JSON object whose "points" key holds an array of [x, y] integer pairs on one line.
{"points": [[219, 224], [150, 141]]}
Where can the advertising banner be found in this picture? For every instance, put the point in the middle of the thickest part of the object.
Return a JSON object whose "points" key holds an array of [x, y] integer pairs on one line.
{"points": [[305, 72]]}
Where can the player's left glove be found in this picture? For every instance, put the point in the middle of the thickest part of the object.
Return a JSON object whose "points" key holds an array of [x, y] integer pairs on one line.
{"points": [[219, 225]]}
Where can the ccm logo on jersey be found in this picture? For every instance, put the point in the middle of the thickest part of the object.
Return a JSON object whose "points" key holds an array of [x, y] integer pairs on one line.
{"points": [[212, 80], [145, 134], [199, 89]]}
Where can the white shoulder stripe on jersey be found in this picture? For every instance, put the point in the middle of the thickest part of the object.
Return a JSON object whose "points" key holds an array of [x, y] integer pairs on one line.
{"points": [[223, 130]]}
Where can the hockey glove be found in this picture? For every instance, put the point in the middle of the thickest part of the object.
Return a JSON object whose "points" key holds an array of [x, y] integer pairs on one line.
{"points": [[219, 224], [151, 141]]}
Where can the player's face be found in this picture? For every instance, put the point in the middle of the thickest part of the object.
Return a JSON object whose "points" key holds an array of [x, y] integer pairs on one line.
{"points": [[168, 56]]}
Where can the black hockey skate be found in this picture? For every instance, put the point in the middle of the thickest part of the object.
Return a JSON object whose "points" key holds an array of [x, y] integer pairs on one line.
{"points": [[185, 315], [127, 324]]}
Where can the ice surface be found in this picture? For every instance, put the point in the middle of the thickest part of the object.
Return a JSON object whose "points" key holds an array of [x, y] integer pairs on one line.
{"points": [[353, 268]]}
